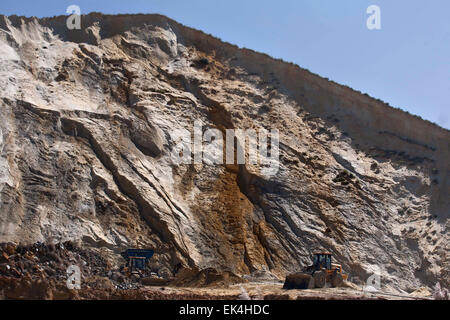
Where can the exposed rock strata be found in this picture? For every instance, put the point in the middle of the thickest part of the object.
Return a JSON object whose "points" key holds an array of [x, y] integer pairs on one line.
{"points": [[86, 122]]}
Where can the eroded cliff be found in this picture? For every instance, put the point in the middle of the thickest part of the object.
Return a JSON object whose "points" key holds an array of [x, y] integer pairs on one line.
{"points": [[86, 122]]}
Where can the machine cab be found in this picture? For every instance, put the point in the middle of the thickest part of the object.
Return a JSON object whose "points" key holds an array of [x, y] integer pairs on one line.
{"points": [[322, 260], [137, 258]]}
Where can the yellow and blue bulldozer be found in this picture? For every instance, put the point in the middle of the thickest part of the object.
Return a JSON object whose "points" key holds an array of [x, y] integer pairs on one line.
{"points": [[317, 275]]}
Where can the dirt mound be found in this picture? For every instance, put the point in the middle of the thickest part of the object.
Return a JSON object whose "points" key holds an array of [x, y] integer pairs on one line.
{"points": [[209, 277], [40, 260]]}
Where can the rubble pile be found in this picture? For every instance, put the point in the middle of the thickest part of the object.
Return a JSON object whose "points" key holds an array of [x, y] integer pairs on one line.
{"points": [[51, 261], [40, 260]]}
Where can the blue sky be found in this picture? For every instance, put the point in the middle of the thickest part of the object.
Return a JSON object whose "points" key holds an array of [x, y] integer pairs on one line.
{"points": [[406, 63]]}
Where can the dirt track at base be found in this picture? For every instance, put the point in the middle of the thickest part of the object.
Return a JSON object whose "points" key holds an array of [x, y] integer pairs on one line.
{"points": [[274, 291], [26, 289]]}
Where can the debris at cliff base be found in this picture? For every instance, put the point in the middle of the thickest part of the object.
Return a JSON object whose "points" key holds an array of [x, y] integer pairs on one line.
{"points": [[50, 261], [40, 260], [39, 271], [209, 277]]}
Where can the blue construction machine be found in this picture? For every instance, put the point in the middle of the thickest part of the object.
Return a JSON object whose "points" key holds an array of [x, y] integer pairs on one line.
{"points": [[137, 258]]}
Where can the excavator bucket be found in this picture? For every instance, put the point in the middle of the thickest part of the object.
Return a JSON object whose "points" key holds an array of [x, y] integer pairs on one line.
{"points": [[299, 280]]}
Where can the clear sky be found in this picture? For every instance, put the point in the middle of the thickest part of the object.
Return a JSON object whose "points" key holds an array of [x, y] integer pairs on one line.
{"points": [[406, 63]]}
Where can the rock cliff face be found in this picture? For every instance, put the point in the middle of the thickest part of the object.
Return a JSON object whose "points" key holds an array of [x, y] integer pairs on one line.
{"points": [[86, 127]]}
